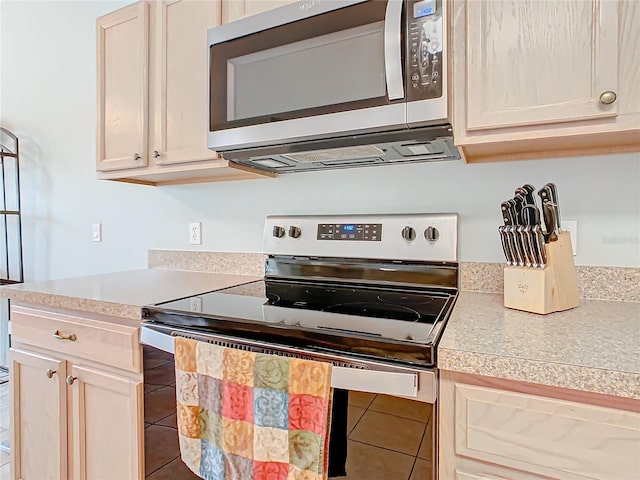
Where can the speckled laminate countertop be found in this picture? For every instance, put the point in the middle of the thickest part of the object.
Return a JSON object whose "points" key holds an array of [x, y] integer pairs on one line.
{"points": [[594, 347], [120, 294]]}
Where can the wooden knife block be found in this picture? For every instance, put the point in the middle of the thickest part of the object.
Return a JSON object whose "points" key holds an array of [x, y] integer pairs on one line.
{"points": [[547, 290]]}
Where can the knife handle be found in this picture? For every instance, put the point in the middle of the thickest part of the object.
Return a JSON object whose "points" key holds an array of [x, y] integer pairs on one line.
{"points": [[539, 240], [554, 197], [550, 221], [549, 213]]}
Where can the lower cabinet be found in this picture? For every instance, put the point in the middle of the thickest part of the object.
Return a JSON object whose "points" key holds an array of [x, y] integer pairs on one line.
{"points": [[495, 429], [73, 417]]}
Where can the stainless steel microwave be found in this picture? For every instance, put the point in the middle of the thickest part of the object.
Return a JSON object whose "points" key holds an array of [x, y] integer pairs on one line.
{"points": [[332, 83]]}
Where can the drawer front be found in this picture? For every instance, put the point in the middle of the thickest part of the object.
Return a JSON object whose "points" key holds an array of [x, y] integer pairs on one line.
{"points": [[102, 342], [555, 438]]}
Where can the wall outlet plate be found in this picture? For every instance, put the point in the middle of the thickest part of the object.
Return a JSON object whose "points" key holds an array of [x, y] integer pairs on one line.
{"points": [[572, 227], [195, 233]]}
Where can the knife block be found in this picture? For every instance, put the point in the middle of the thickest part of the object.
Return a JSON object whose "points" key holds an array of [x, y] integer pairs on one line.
{"points": [[551, 289]]}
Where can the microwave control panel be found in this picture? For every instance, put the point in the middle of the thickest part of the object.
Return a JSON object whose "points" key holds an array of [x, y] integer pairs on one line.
{"points": [[425, 42]]}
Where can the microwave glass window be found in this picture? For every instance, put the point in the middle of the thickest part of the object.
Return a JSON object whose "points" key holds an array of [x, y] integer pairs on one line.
{"points": [[349, 64], [318, 65]]}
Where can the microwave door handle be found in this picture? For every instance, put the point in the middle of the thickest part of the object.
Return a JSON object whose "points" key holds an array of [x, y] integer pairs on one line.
{"points": [[393, 49]]}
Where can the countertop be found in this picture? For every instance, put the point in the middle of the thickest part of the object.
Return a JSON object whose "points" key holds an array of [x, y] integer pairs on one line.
{"points": [[120, 294], [594, 347]]}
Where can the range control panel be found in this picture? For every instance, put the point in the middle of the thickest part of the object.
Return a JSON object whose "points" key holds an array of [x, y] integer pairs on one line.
{"points": [[371, 232], [422, 237]]}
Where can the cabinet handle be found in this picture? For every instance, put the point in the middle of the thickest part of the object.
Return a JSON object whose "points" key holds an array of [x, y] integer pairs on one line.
{"points": [[136, 156], [50, 373], [608, 97], [155, 154], [70, 379], [59, 336]]}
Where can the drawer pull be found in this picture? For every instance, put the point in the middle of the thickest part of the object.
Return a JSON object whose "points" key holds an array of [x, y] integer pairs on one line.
{"points": [[70, 379], [59, 336], [50, 373]]}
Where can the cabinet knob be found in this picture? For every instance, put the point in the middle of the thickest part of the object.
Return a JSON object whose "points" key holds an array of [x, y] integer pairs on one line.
{"points": [[136, 156], [155, 154], [59, 336], [50, 373], [608, 97], [70, 379]]}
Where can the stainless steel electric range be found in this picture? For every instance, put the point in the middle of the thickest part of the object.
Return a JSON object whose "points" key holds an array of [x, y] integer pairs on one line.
{"points": [[369, 293]]}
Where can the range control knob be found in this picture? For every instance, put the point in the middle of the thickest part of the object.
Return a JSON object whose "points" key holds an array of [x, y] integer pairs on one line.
{"points": [[431, 234], [278, 231], [294, 232], [408, 233]]}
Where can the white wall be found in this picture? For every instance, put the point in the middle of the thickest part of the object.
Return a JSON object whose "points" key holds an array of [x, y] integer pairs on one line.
{"points": [[47, 96]]}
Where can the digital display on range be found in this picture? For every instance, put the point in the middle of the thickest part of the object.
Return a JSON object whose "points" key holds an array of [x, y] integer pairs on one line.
{"points": [[370, 232]]}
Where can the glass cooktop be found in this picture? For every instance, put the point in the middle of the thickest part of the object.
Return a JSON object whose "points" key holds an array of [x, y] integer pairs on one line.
{"points": [[400, 324]]}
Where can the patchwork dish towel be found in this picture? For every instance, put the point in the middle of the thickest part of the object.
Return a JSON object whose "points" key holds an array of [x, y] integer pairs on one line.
{"points": [[251, 416]]}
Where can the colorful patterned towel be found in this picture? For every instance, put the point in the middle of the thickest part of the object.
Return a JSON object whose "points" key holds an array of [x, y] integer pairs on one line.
{"points": [[251, 416]]}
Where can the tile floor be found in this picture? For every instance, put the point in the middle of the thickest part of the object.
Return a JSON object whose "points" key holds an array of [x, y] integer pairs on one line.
{"points": [[389, 438]]}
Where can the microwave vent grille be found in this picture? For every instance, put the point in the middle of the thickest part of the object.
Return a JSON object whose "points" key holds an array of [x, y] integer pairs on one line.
{"points": [[333, 154]]}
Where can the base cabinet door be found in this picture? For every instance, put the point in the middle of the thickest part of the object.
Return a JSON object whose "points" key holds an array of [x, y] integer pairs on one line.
{"points": [[39, 447], [107, 425]]}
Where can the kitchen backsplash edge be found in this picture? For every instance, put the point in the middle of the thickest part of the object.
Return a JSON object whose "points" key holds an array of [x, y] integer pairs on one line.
{"points": [[594, 282]]}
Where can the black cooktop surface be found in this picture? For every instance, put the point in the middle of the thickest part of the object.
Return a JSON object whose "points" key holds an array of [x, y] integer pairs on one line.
{"points": [[372, 321]]}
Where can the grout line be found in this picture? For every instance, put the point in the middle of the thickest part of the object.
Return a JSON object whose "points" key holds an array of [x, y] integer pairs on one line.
{"points": [[148, 474]]}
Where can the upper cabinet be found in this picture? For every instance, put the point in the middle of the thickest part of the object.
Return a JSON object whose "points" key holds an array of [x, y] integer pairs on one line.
{"points": [[562, 72], [123, 107], [152, 84], [235, 9]]}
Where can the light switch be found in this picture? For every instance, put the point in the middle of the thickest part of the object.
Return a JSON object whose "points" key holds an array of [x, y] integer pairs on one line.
{"points": [[96, 232]]}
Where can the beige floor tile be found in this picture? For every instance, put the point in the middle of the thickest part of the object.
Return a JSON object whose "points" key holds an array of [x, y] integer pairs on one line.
{"points": [[361, 399], [5, 472], [421, 470], [402, 407], [353, 416], [426, 447], [365, 462], [388, 431]]}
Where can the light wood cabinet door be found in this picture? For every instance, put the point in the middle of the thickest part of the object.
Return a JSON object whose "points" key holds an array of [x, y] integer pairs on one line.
{"points": [[122, 88], [236, 9], [543, 61], [107, 422], [180, 106], [492, 428], [39, 416]]}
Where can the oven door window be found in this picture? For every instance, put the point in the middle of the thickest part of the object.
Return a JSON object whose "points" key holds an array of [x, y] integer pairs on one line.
{"points": [[323, 64]]}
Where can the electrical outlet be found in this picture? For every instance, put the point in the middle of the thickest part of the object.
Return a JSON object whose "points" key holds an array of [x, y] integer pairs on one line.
{"points": [[572, 227], [96, 232], [195, 304], [195, 234]]}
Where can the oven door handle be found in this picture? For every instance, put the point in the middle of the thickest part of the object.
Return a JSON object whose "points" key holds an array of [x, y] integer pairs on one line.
{"points": [[403, 384], [393, 49]]}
